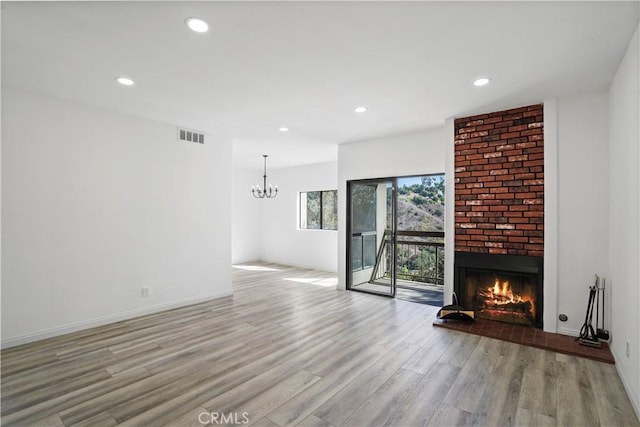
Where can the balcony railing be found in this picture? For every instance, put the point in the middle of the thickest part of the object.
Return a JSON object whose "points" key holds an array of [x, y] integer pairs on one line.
{"points": [[419, 255]]}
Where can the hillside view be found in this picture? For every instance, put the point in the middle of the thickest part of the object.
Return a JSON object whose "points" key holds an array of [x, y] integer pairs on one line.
{"points": [[421, 203], [421, 208]]}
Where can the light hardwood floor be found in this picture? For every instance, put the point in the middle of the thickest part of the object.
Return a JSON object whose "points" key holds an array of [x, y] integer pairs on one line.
{"points": [[289, 349]]}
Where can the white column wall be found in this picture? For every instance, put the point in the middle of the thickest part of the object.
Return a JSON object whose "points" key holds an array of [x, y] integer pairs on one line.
{"points": [[247, 215], [583, 188], [551, 202], [624, 218]]}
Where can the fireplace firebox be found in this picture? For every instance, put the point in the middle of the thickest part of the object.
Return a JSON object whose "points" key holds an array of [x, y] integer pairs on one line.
{"points": [[505, 288]]}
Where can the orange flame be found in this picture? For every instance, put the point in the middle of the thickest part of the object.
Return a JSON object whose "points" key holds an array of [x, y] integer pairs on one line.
{"points": [[504, 291]]}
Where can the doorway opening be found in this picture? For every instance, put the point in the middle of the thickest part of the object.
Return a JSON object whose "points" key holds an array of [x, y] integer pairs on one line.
{"points": [[396, 237]]}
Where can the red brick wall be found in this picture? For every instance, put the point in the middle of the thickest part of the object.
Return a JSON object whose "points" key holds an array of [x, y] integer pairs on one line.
{"points": [[499, 182]]}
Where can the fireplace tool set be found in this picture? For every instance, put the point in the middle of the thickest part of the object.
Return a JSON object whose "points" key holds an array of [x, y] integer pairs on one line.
{"points": [[589, 336]]}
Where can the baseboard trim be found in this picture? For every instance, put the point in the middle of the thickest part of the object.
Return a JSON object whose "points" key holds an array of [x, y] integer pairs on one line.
{"points": [[105, 320]]}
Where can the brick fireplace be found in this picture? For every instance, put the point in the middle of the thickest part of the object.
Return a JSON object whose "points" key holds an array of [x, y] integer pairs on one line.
{"points": [[499, 214]]}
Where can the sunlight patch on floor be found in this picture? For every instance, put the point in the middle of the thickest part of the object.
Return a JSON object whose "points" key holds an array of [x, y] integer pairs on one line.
{"points": [[254, 268], [326, 282]]}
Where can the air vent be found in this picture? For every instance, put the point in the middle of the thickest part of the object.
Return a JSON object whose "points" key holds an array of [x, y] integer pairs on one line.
{"points": [[190, 135]]}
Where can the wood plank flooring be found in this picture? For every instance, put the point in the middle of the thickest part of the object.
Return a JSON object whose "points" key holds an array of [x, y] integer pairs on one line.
{"points": [[288, 349]]}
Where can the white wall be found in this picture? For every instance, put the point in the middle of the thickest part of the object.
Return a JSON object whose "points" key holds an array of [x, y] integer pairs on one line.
{"points": [[282, 240], [246, 216], [624, 215], [418, 153], [551, 201], [449, 214], [583, 188], [97, 205]]}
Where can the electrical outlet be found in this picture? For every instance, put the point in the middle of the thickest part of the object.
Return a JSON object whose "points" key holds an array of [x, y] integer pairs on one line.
{"points": [[145, 292], [628, 350]]}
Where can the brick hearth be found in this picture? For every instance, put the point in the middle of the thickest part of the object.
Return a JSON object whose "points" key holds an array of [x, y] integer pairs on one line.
{"points": [[530, 337]]}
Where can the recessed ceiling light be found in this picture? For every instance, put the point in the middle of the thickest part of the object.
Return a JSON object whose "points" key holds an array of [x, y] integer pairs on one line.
{"points": [[197, 25], [283, 129], [483, 81], [360, 109], [125, 81]]}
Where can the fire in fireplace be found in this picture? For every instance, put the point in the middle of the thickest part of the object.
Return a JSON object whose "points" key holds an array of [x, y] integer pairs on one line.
{"points": [[504, 288], [500, 296]]}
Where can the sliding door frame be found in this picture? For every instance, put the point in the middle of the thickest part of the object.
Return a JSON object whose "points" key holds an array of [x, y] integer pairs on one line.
{"points": [[348, 236]]}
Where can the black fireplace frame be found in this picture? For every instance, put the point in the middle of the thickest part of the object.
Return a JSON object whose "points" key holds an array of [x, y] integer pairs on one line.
{"points": [[501, 263]]}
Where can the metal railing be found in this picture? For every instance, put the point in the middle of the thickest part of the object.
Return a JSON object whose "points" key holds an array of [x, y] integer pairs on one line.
{"points": [[419, 255]]}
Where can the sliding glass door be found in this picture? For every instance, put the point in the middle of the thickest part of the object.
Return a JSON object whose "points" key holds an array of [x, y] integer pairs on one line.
{"points": [[371, 236]]}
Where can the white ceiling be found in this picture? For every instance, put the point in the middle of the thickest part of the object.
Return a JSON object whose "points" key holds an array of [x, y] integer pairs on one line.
{"points": [[306, 65]]}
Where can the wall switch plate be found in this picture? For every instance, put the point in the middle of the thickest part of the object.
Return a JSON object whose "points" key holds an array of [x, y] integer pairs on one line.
{"points": [[145, 292]]}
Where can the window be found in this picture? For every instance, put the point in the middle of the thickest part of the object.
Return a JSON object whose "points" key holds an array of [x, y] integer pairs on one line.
{"points": [[319, 210]]}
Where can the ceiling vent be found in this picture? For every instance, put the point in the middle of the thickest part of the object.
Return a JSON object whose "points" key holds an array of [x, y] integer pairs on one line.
{"points": [[190, 135]]}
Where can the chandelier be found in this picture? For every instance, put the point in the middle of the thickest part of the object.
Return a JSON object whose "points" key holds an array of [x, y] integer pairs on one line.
{"points": [[261, 193]]}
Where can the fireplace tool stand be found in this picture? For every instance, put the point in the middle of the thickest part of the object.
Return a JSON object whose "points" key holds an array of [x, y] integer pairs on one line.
{"points": [[588, 335]]}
